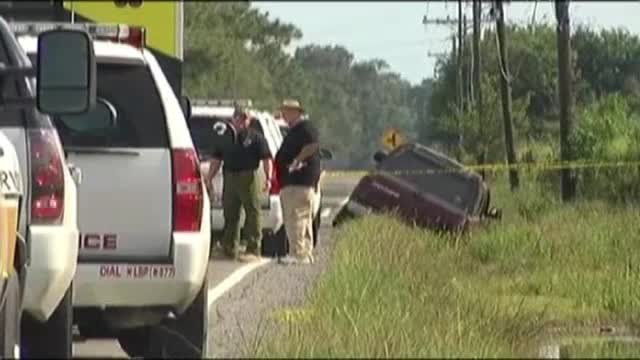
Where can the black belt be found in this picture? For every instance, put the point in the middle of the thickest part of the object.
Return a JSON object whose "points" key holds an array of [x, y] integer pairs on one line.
{"points": [[239, 171]]}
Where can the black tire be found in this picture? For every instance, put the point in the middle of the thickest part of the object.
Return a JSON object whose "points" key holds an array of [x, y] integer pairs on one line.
{"points": [[135, 342], [185, 337], [343, 216], [97, 329], [10, 317], [52, 339]]}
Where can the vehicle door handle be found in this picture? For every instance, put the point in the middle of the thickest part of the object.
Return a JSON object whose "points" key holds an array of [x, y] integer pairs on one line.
{"points": [[76, 173]]}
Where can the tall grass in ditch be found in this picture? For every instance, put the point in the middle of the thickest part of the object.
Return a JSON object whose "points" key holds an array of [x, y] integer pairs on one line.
{"points": [[397, 291]]}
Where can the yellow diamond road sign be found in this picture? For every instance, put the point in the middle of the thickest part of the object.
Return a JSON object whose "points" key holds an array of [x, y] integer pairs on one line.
{"points": [[392, 139]]}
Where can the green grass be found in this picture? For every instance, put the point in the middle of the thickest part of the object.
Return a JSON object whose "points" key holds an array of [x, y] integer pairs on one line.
{"points": [[601, 350], [398, 291]]}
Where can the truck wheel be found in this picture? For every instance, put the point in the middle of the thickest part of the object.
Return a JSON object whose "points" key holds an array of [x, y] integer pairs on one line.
{"points": [[53, 338], [342, 216], [10, 318]]}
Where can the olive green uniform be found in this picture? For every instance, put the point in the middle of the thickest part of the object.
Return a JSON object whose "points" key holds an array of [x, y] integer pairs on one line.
{"points": [[241, 189]]}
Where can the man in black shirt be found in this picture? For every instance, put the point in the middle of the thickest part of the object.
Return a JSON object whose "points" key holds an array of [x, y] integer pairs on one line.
{"points": [[241, 160], [298, 162]]}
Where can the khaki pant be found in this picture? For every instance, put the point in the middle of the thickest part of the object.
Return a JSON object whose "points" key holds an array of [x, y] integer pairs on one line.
{"points": [[297, 209]]}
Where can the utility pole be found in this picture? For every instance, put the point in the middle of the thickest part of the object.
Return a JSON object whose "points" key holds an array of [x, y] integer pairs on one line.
{"points": [[467, 68], [505, 87], [460, 84], [477, 82], [563, 36]]}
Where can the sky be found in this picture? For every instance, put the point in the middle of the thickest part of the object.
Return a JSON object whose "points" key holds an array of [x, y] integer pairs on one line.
{"points": [[393, 30]]}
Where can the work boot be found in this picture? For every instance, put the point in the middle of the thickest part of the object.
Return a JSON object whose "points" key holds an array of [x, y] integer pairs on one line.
{"points": [[294, 260], [231, 253], [249, 257], [252, 253]]}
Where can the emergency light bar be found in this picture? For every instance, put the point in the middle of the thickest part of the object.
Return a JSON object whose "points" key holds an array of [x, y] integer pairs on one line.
{"points": [[132, 35], [246, 103]]}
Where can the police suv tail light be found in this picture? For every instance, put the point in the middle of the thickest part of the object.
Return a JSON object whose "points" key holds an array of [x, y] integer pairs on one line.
{"points": [[136, 37], [47, 177], [132, 35], [274, 188], [187, 191]]}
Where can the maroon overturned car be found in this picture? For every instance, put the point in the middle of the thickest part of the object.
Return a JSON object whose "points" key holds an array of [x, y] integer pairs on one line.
{"points": [[423, 187]]}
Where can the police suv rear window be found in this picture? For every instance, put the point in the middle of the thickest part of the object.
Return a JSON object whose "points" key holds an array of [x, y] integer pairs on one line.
{"points": [[140, 121]]}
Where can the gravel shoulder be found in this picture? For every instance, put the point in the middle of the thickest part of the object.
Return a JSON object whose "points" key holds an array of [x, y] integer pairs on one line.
{"points": [[241, 317]]}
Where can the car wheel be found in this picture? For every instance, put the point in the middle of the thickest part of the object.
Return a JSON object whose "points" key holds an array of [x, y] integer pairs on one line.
{"points": [[10, 318], [185, 337], [96, 329], [52, 339], [136, 341]]}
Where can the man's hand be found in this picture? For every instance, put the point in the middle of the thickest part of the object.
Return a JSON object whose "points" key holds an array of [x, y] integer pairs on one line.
{"points": [[296, 165], [267, 185]]}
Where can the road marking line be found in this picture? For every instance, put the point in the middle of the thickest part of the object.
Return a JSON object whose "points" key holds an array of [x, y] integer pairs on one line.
{"points": [[234, 278]]}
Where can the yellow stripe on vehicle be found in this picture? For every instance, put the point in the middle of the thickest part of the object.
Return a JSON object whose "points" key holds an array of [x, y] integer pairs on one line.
{"points": [[528, 167], [8, 233]]}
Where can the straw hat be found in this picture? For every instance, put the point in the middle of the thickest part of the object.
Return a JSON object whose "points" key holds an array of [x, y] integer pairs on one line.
{"points": [[292, 104]]}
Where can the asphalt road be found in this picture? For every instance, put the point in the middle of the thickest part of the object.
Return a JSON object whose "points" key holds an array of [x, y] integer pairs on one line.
{"points": [[241, 299]]}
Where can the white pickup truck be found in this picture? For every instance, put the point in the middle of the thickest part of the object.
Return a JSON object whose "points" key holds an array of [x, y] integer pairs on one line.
{"points": [[11, 195], [143, 209], [43, 253], [39, 235]]}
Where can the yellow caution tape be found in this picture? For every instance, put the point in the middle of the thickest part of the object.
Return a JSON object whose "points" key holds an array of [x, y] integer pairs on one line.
{"points": [[534, 167]]}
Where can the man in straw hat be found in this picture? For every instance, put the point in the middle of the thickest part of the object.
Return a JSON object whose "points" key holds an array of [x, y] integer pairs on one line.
{"points": [[298, 162], [241, 160]]}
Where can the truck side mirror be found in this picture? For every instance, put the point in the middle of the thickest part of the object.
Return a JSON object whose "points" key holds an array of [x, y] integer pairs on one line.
{"points": [[185, 104], [66, 72]]}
